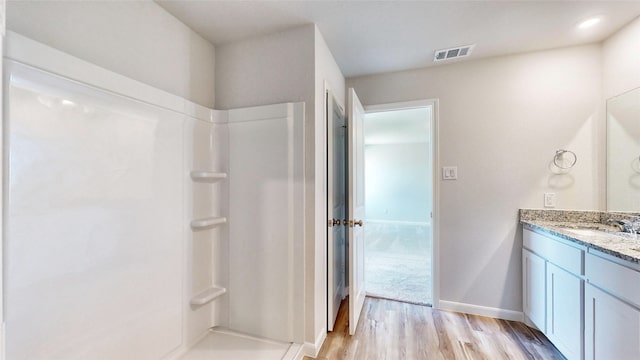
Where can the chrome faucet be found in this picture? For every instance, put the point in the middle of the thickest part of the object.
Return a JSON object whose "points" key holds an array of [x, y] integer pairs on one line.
{"points": [[631, 226], [623, 225]]}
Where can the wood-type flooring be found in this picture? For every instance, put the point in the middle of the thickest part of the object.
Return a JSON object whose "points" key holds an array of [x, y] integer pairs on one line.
{"points": [[395, 330]]}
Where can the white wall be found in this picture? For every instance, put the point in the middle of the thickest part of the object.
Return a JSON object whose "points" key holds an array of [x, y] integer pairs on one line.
{"points": [[501, 120], [621, 60], [137, 39], [397, 182], [267, 69]]}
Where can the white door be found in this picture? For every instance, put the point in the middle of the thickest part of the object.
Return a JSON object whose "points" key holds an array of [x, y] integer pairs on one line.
{"points": [[355, 201], [336, 208]]}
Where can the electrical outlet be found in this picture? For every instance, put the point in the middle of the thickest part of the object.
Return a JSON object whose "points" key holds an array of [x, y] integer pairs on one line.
{"points": [[549, 200], [449, 172]]}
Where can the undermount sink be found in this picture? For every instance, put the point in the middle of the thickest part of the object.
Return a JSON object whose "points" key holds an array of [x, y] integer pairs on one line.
{"points": [[588, 232], [598, 232]]}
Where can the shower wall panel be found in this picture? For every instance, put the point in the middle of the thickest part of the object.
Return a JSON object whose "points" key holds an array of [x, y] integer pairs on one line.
{"points": [[266, 216], [101, 261], [207, 249], [95, 222]]}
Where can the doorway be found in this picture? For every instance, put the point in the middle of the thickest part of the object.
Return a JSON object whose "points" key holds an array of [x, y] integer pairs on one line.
{"points": [[393, 249], [398, 151]]}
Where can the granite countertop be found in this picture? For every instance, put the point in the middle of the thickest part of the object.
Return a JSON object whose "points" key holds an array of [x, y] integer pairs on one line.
{"points": [[623, 247]]}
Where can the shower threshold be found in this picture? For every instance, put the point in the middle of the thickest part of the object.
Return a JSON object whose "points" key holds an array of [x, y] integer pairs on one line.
{"points": [[222, 343]]}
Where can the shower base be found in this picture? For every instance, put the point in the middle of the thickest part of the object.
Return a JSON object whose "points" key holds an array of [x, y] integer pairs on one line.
{"points": [[221, 343]]}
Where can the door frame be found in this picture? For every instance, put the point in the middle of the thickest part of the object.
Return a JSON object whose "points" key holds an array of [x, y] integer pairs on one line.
{"points": [[435, 158], [330, 99], [326, 162]]}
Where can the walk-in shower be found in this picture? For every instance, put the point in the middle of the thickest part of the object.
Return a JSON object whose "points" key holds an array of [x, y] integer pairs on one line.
{"points": [[139, 225]]}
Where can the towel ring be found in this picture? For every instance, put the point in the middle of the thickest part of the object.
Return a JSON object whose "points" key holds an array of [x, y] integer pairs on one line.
{"points": [[557, 159]]}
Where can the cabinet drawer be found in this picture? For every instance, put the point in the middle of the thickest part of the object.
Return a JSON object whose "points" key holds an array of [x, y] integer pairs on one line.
{"points": [[616, 279], [563, 255]]}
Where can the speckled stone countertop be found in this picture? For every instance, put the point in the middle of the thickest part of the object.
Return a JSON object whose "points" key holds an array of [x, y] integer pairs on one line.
{"points": [[560, 223]]}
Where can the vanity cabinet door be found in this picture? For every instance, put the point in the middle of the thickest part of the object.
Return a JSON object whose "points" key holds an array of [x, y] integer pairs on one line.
{"points": [[534, 280], [612, 327], [564, 311]]}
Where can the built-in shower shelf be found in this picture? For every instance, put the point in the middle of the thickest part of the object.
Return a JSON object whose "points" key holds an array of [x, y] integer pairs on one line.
{"points": [[206, 223], [208, 295], [207, 176]]}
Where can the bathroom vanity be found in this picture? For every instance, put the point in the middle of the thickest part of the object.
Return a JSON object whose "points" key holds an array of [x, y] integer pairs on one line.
{"points": [[581, 286]]}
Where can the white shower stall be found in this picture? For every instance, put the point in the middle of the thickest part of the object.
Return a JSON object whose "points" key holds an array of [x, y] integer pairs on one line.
{"points": [[139, 225]]}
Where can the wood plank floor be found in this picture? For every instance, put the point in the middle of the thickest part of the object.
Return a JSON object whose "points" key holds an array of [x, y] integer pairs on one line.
{"points": [[394, 330]]}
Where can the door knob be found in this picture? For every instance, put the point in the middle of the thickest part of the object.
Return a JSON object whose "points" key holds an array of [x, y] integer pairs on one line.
{"points": [[359, 223], [336, 222], [345, 222]]}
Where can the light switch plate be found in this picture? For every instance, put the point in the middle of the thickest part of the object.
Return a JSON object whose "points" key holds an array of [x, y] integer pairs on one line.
{"points": [[549, 200], [449, 172]]}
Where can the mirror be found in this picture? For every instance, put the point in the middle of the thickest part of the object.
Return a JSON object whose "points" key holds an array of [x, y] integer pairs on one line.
{"points": [[623, 152]]}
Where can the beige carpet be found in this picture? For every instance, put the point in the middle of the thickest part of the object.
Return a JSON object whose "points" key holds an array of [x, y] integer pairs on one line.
{"points": [[398, 262]]}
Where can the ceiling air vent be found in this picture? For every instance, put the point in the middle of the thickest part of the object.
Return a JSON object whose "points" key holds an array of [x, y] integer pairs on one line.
{"points": [[453, 53]]}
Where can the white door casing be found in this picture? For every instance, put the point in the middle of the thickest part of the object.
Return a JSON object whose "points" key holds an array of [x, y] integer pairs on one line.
{"points": [[356, 209]]}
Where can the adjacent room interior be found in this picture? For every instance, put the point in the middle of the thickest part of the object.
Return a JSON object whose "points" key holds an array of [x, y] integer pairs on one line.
{"points": [[399, 203]]}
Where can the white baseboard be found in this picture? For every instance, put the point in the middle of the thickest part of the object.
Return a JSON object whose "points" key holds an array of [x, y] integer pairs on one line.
{"points": [[312, 350], [530, 323], [481, 310]]}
